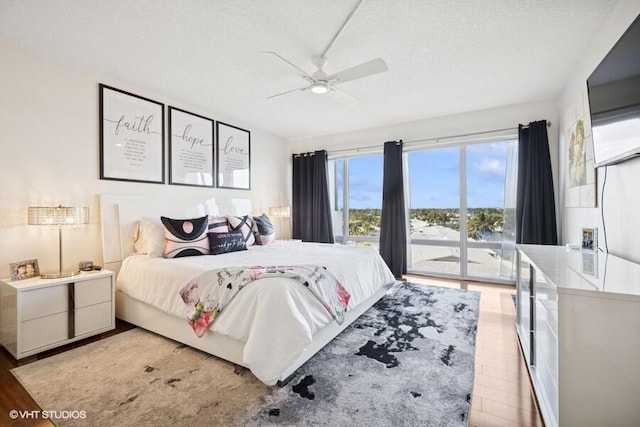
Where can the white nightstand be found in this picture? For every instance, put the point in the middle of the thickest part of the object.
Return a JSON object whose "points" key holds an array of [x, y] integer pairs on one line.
{"points": [[39, 314]]}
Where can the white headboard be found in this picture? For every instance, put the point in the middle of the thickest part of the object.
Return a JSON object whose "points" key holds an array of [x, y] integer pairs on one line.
{"points": [[120, 213]]}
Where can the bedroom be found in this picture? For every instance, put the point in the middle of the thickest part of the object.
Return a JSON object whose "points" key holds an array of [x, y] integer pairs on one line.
{"points": [[49, 114]]}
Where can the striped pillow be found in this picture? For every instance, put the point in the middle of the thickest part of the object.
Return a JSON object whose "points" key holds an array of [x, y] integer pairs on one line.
{"points": [[245, 225], [185, 237]]}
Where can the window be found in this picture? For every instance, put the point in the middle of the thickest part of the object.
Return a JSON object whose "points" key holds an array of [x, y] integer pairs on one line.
{"points": [[357, 199], [461, 202]]}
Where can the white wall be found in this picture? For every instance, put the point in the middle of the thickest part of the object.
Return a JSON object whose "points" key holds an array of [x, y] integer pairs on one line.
{"points": [[49, 151], [621, 195]]}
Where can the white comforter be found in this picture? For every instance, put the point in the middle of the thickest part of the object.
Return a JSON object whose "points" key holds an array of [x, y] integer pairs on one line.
{"points": [[276, 318]]}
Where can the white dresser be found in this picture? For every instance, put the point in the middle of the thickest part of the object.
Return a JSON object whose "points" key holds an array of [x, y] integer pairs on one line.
{"points": [[579, 327], [38, 314]]}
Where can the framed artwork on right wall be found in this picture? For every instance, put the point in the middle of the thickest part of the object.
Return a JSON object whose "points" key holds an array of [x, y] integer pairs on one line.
{"points": [[580, 172]]}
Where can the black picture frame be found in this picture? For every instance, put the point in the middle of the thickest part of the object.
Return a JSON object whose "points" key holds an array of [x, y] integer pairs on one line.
{"points": [[233, 157], [131, 137], [191, 149]]}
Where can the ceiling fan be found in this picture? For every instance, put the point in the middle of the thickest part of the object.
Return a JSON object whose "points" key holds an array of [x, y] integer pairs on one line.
{"points": [[321, 83]]}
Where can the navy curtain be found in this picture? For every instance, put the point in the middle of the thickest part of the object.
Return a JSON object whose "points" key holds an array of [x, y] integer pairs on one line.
{"points": [[393, 227], [311, 210], [535, 203]]}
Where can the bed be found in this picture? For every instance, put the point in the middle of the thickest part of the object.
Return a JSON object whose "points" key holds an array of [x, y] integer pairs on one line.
{"points": [[273, 325]]}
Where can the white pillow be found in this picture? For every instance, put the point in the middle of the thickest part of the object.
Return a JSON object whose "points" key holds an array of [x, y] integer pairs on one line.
{"points": [[139, 244], [149, 237]]}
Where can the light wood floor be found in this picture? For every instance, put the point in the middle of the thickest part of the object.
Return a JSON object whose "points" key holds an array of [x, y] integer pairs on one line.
{"points": [[502, 394]]}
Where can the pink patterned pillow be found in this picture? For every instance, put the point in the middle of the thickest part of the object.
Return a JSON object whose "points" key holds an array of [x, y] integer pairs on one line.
{"points": [[185, 237], [245, 225]]}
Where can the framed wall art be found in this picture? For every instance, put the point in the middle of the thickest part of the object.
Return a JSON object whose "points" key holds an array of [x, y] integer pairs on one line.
{"points": [[234, 157], [131, 137], [191, 149], [580, 175], [24, 269]]}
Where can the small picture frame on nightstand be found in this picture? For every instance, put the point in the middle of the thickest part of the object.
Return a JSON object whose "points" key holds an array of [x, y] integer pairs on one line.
{"points": [[589, 239], [24, 269]]}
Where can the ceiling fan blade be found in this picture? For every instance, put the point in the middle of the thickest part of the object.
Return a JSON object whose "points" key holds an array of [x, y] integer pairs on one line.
{"points": [[289, 91], [365, 69], [343, 98], [301, 72]]}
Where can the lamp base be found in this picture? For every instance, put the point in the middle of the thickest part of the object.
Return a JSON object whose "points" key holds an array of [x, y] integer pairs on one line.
{"points": [[60, 274]]}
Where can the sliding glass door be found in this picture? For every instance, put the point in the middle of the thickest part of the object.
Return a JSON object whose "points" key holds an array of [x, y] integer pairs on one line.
{"points": [[461, 206], [491, 202], [461, 200], [434, 219]]}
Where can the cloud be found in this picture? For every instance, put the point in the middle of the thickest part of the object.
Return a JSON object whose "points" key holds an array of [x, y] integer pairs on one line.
{"points": [[490, 168], [359, 183]]}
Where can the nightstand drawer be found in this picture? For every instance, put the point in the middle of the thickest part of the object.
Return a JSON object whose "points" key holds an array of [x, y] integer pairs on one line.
{"points": [[43, 331], [94, 291], [43, 302], [93, 318]]}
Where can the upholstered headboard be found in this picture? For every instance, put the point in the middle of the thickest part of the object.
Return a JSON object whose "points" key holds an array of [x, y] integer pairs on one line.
{"points": [[121, 212]]}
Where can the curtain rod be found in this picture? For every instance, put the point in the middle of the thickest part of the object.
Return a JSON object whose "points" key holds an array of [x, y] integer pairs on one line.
{"points": [[309, 153], [370, 147]]}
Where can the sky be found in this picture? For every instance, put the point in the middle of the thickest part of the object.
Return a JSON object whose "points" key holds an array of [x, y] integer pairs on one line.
{"points": [[434, 178]]}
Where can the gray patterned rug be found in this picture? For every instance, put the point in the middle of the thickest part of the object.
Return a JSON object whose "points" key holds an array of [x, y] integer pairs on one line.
{"points": [[409, 360]]}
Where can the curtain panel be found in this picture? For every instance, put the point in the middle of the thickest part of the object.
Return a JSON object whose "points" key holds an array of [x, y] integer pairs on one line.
{"points": [[311, 209], [393, 226], [535, 205]]}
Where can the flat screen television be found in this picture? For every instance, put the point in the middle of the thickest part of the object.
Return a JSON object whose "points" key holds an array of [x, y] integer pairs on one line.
{"points": [[614, 101]]}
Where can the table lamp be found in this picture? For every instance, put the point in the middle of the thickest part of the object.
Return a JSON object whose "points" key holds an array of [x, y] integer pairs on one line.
{"points": [[60, 216], [280, 212]]}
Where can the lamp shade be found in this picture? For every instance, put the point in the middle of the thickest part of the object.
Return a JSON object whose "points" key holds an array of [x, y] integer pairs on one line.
{"points": [[58, 216], [280, 212]]}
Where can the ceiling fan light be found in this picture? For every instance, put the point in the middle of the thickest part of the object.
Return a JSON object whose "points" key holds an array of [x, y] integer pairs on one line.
{"points": [[319, 88]]}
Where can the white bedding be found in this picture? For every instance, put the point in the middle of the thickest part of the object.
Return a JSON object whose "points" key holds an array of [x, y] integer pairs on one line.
{"points": [[265, 306]]}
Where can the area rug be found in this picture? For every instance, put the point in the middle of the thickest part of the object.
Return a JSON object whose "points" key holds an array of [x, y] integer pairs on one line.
{"points": [[409, 360]]}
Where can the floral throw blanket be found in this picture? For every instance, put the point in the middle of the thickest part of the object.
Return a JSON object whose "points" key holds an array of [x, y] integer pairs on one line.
{"points": [[208, 294]]}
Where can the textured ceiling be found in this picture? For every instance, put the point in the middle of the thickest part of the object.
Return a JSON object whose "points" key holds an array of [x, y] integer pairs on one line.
{"points": [[444, 56]]}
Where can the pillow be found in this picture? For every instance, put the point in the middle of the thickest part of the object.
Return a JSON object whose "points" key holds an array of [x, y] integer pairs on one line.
{"points": [[185, 237], [245, 225], [139, 244], [218, 224], [231, 241], [148, 237], [263, 230]]}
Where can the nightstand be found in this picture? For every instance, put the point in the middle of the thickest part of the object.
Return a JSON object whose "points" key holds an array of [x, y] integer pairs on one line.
{"points": [[38, 314]]}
